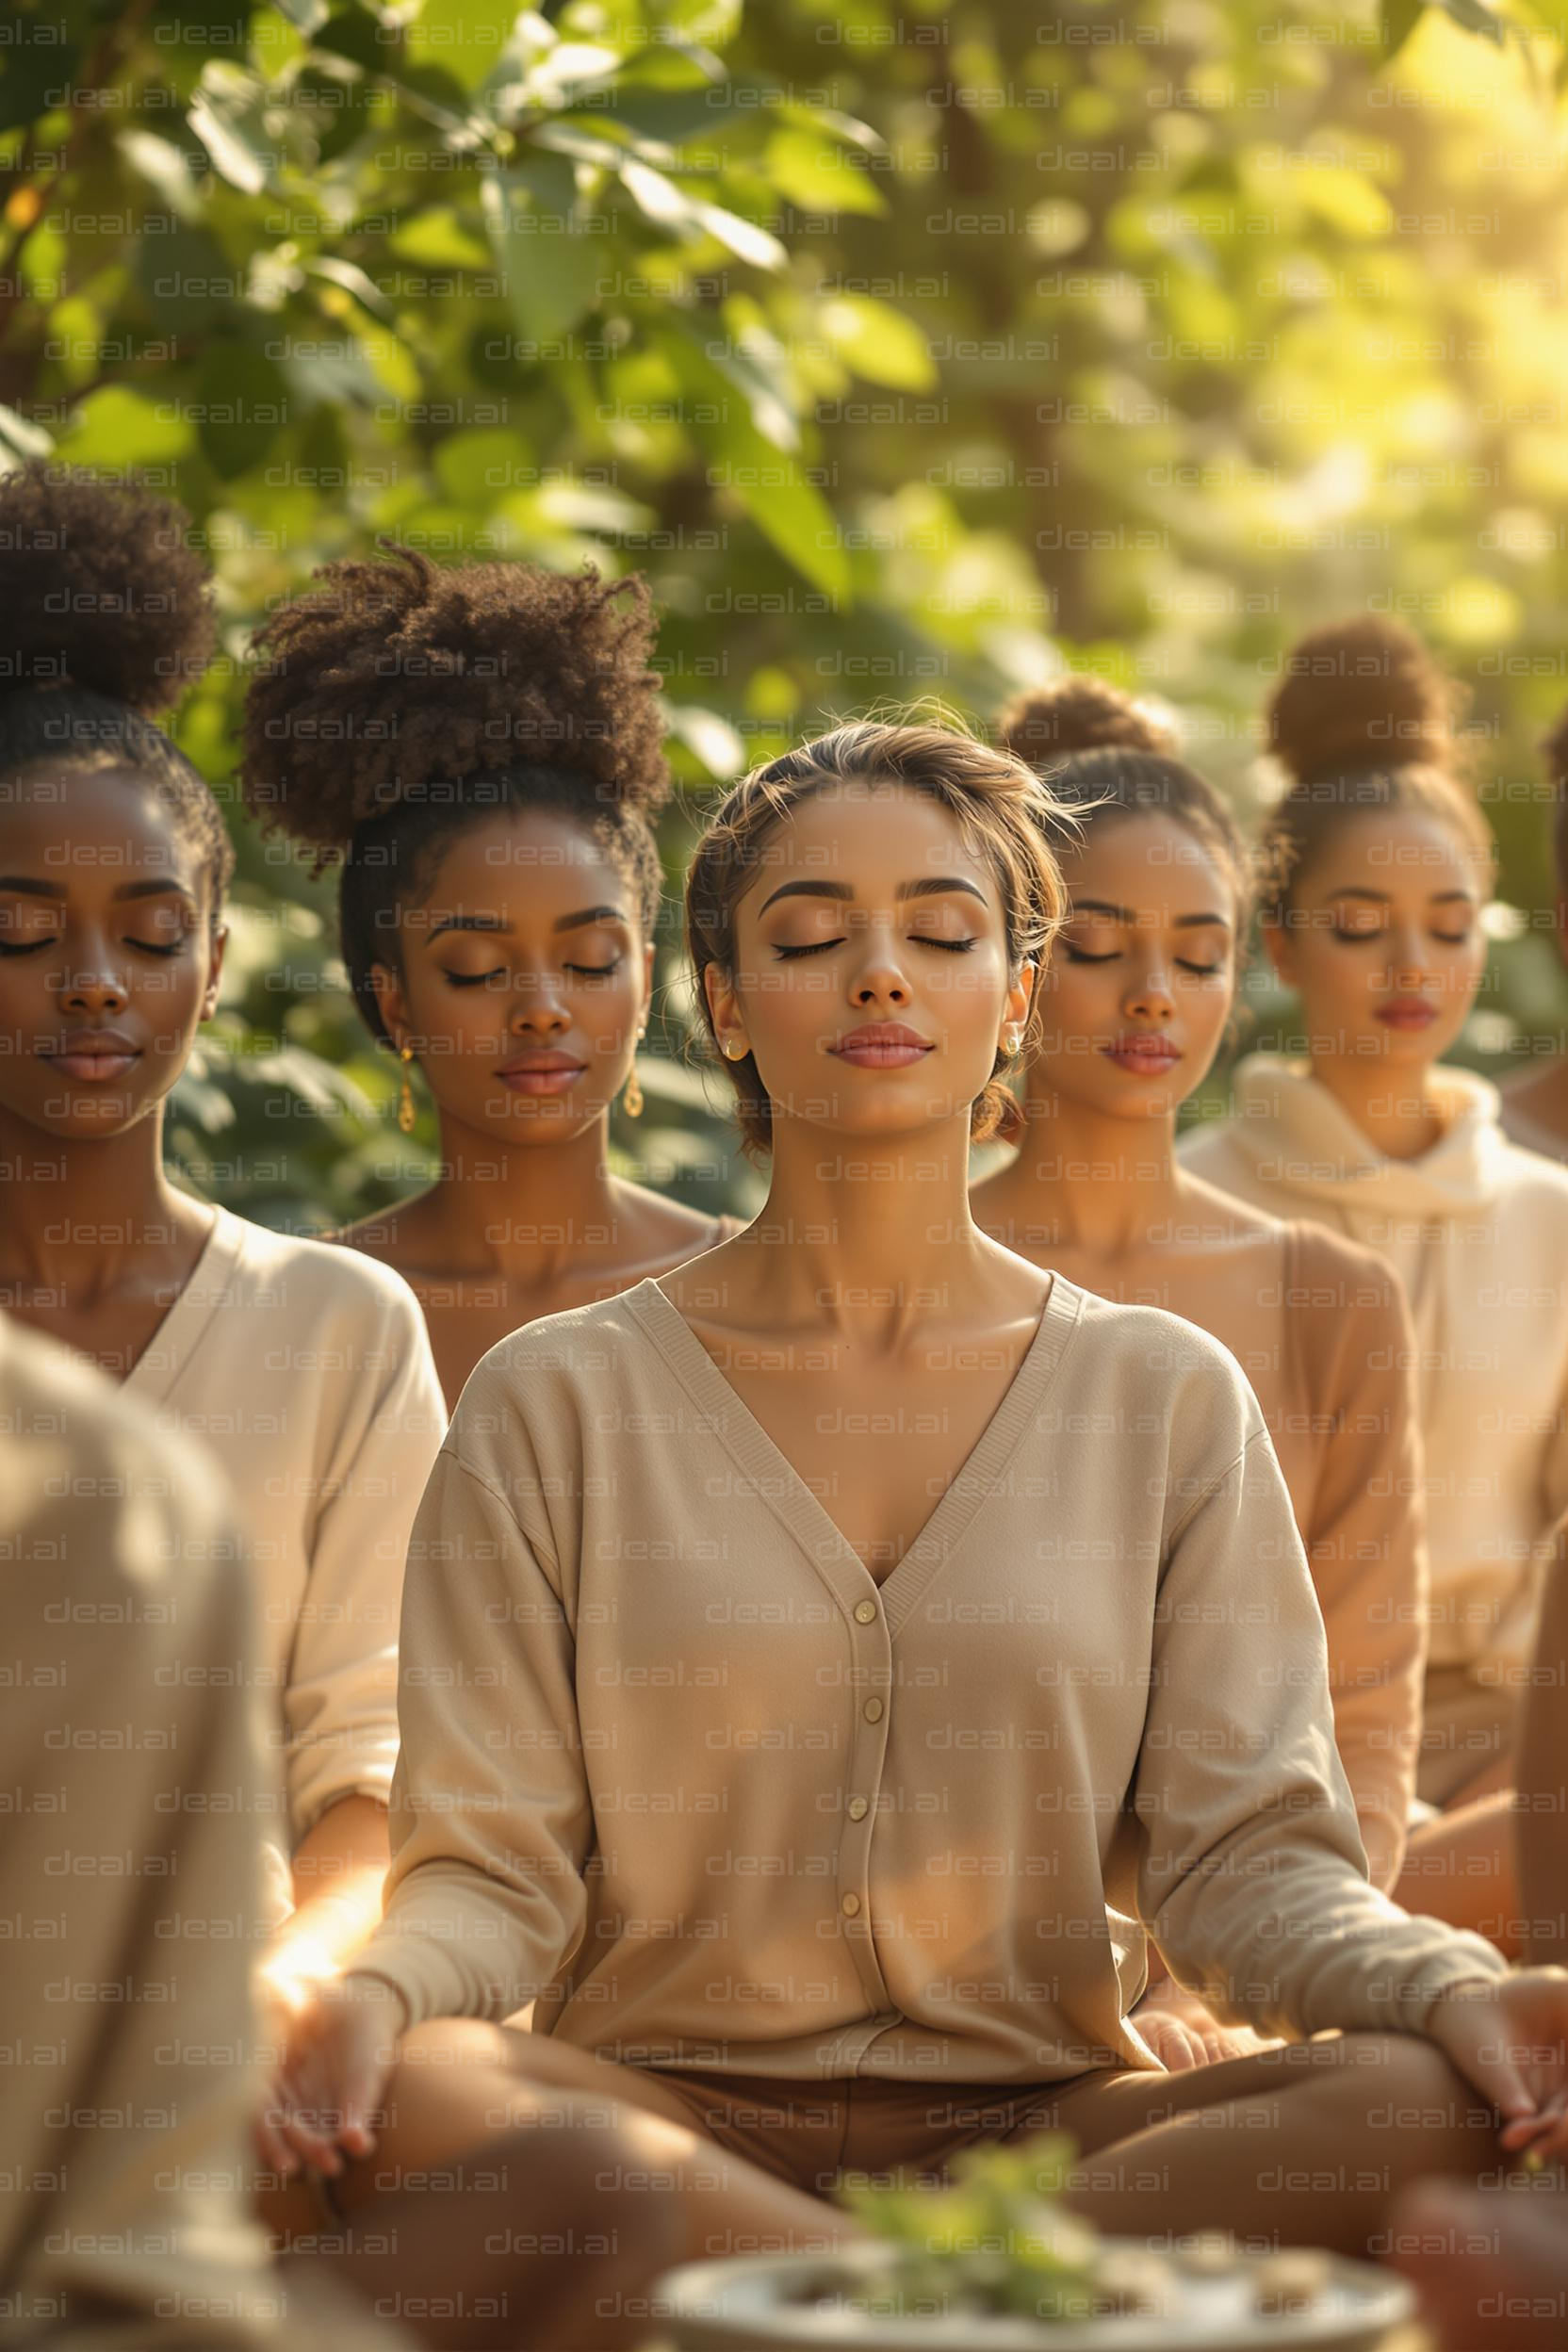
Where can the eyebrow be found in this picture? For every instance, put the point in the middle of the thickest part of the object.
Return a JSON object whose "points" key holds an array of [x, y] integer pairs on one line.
{"points": [[562, 922], [1125, 914], [1381, 898], [27, 886], [930, 885]]}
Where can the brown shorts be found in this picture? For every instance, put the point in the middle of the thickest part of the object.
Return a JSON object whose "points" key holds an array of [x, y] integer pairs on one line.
{"points": [[809, 2133]]}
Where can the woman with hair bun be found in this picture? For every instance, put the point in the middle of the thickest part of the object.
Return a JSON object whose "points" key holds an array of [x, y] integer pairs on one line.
{"points": [[478, 749], [1137, 997], [1377, 867], [825, 1819], [307, 1372]]}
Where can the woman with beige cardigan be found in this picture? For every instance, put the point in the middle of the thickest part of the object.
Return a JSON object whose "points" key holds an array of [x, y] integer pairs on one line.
{"points": [[822, 1664], [1139, 990]]}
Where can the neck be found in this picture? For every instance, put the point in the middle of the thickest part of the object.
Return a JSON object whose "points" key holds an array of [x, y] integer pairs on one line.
{"points": [[1085, 1181], [867, 1234], [79, 1210], [523, 1211], [1397, 1113]]}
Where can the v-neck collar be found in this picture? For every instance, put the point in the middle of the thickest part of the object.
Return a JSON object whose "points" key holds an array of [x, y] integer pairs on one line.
{"points": [[163, 1360], [779, 1485]]}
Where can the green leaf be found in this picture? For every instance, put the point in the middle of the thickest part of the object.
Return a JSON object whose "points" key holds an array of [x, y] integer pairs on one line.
{"points": [[241, 404], [714, 368], [816, 175], [1473, 16], [551, 267], [117, 427], [1400, 19], [225, 115], [877, 342]]}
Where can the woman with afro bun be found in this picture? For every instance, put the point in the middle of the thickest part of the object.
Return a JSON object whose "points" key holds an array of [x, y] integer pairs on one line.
{"points": [[305, 1371], [1135, 1004], [478, 749], [812, 1690], [1376, 868]]}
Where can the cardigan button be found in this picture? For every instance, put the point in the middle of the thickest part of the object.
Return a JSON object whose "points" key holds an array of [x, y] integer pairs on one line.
{"points": [[850, 1905], [858, 1808], [865, 1612], [874, 1711]]}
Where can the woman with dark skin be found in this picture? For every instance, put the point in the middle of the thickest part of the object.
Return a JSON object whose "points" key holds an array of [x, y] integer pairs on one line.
{"points": [[479, 750], [868, 918], [113, 864]]}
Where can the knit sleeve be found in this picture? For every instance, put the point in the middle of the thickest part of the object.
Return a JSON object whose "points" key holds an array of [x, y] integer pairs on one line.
{"points": [[492, 1820], [340, 1701], [1252, 1875], [1365, 1536]]}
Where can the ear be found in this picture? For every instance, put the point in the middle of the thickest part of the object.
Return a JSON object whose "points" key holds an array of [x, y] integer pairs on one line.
{"points": [[1020, 995], [389, 997], [723, 1008], [215, 971]]}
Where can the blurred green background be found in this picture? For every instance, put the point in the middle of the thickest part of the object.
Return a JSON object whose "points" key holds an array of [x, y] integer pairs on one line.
{"points": [[911, 350]]}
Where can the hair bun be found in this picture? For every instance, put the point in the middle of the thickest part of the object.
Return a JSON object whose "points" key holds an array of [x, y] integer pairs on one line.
{"points": [[1079, 713], [99, 588], [1363, 694], [392, 676]]}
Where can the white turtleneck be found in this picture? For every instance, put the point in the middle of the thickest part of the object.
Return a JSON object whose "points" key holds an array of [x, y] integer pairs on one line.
{"points": [[1477, 1230]]}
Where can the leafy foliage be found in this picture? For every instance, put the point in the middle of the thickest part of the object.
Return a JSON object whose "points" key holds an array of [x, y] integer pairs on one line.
{"points": [[912, 347]]}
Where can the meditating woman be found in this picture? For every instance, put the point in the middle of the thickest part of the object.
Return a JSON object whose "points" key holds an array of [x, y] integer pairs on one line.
{"points": [[1139, 991], [478, 749], [305, 1370], [1378, 865], [818, 1662]]}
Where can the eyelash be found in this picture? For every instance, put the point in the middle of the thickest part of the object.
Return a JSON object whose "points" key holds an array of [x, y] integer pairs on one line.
{"points": [[1080, 955], [147, 947], [820, 947], [479, 979], [1360, 939]]}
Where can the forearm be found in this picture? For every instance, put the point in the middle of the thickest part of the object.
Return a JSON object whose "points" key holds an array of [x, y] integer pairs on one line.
{"points": [[338, 1868]]}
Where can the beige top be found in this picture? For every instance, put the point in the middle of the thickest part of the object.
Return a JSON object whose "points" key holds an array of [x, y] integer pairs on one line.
{"points": [[126, 1888], [1322, 1329], [307, 1374], [676, 1765], [1477, 1231]]}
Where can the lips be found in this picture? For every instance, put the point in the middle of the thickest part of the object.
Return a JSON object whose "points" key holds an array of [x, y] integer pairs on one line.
{"points": [[882, 1045], [93, 1055], [1143, 1054], [548, 1071], [1407, 1012]]}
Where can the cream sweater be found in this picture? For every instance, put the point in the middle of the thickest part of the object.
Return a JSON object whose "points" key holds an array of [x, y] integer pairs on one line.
{"points": [[675, 1765], [307, 1373], [1476, 1231]]}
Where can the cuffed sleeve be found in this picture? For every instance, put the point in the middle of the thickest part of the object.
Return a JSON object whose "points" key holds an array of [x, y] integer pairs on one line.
{"points": [[340, 1693], [492, 1821], [1252, 1876], [1367, 1546]]}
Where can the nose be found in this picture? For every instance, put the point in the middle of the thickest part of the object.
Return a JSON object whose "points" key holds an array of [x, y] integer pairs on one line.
{"points": [[877, 977], [539, 1011], [1408, 958], [86, 990], [1149, 993]]}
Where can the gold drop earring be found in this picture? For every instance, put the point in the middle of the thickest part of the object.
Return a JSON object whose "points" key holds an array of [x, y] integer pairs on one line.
{"points": [[632, 1100], [406, 1114]]}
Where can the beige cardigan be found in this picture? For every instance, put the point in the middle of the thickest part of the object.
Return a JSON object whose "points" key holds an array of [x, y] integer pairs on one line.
{"points": [[673, 1764]]}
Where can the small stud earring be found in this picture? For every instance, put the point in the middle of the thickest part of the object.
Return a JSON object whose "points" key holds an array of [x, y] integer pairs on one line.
{"points": [[405, 1097], [733, 1050], [1010, 1043]]}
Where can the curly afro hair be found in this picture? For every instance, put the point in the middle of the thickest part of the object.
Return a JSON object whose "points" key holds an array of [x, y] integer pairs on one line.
{"points": [[403, 702], [106, 618], [1077, 713], [1364, 719], [1105, 757]]}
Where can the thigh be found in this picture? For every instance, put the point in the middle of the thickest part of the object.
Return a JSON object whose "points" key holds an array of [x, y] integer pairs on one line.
{"points": [[1102, 2108]]}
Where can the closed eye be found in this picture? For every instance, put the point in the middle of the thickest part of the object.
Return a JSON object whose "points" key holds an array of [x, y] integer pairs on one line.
{"points": [[476, 979], [820, 947]]}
